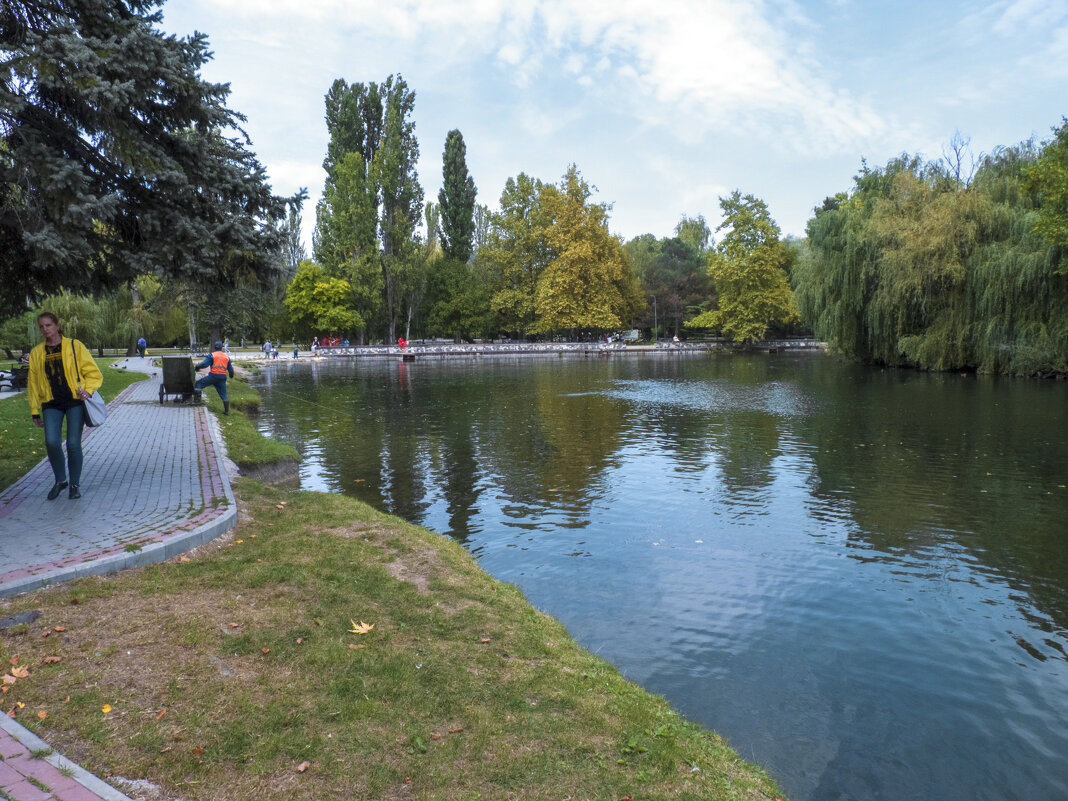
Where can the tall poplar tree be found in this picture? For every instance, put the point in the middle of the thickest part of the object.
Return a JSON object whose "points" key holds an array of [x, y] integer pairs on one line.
{"points": [[456, 200], [372, 201]]}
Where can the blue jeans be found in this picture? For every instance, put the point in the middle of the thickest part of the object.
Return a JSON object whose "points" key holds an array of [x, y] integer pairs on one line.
{"points": [[217, 381], [53, 428]]}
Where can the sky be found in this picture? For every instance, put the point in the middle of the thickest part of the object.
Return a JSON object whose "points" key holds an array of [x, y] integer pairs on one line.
{"points": [[663, 105]]}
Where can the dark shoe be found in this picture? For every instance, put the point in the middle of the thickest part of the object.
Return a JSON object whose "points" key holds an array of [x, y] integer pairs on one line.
{"points": [[226, 407], [74, 492], [58, 488]]}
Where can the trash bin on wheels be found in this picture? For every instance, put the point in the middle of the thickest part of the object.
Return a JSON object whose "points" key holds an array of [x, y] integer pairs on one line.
{"points": [[178, 379]]}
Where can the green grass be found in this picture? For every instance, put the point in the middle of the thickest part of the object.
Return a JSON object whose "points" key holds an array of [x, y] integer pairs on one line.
{"points": [[22, 443], [244, 444], [226, 672]]}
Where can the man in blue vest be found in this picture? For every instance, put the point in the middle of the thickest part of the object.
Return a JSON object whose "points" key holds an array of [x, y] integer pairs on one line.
{"points": [[220, 366]]}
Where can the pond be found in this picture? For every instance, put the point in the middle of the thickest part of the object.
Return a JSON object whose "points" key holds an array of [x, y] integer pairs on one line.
{"points": [[858, 576]]}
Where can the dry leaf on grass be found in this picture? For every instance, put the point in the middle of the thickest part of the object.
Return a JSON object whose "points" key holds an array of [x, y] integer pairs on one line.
{"points": [[303, 766], [52, 660], [361, 627], [21, 672]]}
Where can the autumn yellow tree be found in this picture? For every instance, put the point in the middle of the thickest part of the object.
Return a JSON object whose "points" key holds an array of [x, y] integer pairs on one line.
{"points": [[588, 282]]}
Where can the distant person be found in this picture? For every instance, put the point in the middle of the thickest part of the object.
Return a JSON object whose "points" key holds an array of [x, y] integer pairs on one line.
{"points": [[142, 346], [226, 346], [62, 375], [220, 366], [402, 342], [267, 348], [296, 352]]}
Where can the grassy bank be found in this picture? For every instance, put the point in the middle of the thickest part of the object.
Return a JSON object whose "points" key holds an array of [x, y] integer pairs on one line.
{"points": [[22, 443], [237, 673], [244, 444]]}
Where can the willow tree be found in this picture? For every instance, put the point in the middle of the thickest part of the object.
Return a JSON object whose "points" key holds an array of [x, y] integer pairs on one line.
{"points": [[747, 265], [915, 267], [588, 283]]}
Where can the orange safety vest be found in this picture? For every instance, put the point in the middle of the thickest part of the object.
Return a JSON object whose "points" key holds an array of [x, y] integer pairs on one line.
{"points": [[219, 363]]}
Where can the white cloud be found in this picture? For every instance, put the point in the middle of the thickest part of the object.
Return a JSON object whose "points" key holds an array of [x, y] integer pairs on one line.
{"points": [[727, 61]]}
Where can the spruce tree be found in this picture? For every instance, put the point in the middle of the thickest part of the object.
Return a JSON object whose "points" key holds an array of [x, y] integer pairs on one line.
{"points": [[117, 159]]}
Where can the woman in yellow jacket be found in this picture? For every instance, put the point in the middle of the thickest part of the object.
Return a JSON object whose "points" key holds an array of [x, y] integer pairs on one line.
{"points": [[55, 392]]}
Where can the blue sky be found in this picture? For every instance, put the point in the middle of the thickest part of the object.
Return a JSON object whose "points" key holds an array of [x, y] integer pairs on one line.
{"points": [[664, 105]]}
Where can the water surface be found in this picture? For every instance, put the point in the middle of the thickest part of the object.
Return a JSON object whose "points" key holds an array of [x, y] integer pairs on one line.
{"points": [[858, 576]]}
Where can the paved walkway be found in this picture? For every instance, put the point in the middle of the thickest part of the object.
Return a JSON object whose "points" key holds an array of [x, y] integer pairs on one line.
{"points": [[153, 486]]}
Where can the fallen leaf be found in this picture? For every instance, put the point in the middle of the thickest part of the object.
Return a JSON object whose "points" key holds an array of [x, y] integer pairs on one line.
{"points": [[353, 645], [361, 627], [66, 700], [240, 541], [198, 751], [9, 679], [14, 660], [280, 506], [266, 650], [74, 602], [457, 730], [184, 558], [484, 639], [41, 714], [234, 625], [52, 660], [435, 736], [59, 628], [11, 713], [20, 672], [300, 640], [303, 766], [45, 633], [161, 713], [4, 688], [106, 708]]}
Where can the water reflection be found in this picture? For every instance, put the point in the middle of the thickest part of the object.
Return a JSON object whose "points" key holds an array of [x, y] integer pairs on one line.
{"points": [[858, 576]]}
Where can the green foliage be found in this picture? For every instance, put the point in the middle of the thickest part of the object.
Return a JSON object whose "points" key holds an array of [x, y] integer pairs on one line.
{"points": [[457, 302], [915, 268], [318, 302], [677, 277], [515, 254], [456, 200], [747, 267], [694, 231], [1047, 180], [372, 200], [113, 162]]}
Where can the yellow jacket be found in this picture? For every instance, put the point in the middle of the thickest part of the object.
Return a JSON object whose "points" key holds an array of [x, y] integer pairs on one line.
{"points": [[37, 389]]}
